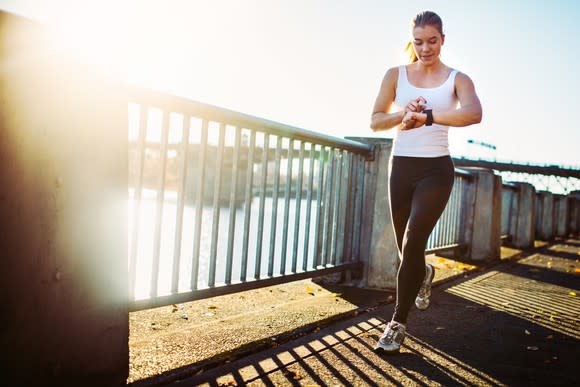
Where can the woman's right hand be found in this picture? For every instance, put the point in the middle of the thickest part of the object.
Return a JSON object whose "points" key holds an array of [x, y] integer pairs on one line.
{"points": [[413, 120], [416, 105]]}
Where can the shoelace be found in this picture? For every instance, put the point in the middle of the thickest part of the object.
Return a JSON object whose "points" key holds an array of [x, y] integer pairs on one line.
{"points": [[390, 335], [423, 291], [425, 287]]}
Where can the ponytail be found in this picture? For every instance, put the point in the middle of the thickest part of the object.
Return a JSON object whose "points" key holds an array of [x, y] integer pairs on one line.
{"points": [[410, 51]]}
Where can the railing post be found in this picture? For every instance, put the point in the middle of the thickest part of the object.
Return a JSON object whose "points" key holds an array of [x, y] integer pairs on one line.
{"points": [[63, 179], [525, 229], [378, 244], [485, 240], [544, 215]]}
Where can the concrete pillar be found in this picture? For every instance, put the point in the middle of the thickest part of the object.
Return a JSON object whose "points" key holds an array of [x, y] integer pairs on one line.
{"points": [[485, 240], [570, 215], [509, 209], [577, 217], [544, 215], [560, 215], [574, 213], [63, 234], [466, 218], [524, 234], [378, 244]]}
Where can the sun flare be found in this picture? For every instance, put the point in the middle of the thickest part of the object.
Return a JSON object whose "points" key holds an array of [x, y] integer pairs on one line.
{"points": [[95, 34]]}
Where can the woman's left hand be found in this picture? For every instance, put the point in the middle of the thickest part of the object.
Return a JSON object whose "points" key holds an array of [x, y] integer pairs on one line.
{"points": [[412, 120]]}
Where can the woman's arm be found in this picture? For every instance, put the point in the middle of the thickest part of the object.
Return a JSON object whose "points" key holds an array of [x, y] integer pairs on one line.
{"points": [[470, 108], [381, 119], [469, 112]]}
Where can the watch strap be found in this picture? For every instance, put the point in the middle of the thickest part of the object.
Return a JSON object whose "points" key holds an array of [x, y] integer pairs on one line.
{"points": [[429, 113]]}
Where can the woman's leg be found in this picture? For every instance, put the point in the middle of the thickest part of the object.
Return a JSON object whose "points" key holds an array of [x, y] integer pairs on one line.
{"points": [[400, 196], [429, 198]]}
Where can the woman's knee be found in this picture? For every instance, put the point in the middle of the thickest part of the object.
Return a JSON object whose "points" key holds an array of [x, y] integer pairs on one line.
{"points": [[414, 242]]}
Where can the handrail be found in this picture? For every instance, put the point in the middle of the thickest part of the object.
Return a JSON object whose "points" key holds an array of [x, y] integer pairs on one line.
{"points": [[214, 113], [299, 190], [464, 173], [510, 185]]}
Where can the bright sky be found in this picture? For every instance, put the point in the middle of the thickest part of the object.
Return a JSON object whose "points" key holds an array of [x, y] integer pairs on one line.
{"points": [[317, 64]]}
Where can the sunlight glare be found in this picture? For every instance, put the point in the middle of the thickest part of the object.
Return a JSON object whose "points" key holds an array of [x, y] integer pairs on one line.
{"points": [[95, 34]]}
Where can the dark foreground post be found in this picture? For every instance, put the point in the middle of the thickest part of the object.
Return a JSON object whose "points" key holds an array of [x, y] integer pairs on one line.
{"points": [[63, 238]]}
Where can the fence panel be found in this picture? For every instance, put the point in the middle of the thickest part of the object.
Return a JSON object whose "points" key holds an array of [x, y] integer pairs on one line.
{"points": [[446, 233], [222, 201]]}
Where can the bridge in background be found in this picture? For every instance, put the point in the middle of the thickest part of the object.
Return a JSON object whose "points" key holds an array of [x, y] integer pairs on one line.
{"points": [[555, 178]]}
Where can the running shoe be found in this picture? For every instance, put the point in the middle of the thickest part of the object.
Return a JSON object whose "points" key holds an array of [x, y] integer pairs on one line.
{"points": [[422, 301], [392, 339]]}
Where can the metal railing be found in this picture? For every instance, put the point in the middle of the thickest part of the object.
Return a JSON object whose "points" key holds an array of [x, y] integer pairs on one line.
{"points": [[447, 231], [222, 201]]}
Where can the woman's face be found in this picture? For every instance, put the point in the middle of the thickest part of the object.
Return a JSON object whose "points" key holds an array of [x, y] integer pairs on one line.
{"points": [[427, 42]]}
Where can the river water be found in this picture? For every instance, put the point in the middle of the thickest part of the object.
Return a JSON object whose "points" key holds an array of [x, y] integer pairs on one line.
{"points": [[146, 229]]}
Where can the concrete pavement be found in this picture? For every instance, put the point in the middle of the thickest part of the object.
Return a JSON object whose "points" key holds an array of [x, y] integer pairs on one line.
{"points": [[513, 324]]}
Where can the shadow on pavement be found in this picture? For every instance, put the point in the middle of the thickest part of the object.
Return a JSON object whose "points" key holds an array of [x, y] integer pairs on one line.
{"points": [[533, 270], [560, 254], [571, 242], [497, 328], [515, 324]]}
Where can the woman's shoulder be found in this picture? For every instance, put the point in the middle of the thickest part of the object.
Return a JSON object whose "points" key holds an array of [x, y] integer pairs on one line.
{"points": [[392, 72], [462, 82], [461, 77], [458, 73], [391, 77]]}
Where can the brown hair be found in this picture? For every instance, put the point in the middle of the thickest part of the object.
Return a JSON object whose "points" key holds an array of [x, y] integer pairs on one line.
{"points": [[425, 18]]}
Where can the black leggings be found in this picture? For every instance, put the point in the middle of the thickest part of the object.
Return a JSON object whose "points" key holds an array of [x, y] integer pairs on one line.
{"points": [[419, 188]]}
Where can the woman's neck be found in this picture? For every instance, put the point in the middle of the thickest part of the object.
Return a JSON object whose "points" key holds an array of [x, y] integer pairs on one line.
{"points": [[430, 68]]}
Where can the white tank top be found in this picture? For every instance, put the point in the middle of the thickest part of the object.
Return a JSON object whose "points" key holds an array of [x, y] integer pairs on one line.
{"points": [[424, 141]]}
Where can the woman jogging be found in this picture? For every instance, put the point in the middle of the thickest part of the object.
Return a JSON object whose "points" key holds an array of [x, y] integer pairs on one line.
{"points": [[420, 101]]}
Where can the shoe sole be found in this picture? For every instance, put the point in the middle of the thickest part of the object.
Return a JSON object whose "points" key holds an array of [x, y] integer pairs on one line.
{"points": [[382, 351]]}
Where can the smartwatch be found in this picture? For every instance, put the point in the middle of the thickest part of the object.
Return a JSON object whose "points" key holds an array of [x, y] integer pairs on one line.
{"points": [[429, 113]]}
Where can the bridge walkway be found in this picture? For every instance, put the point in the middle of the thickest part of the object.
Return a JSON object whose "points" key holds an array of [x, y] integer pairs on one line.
{"points": [[511, 324]]}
